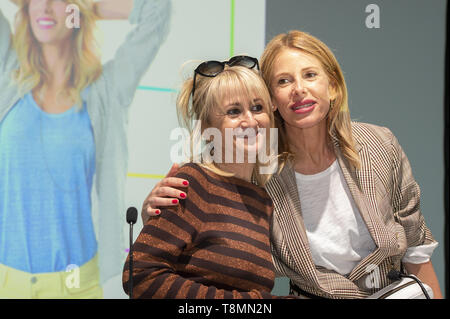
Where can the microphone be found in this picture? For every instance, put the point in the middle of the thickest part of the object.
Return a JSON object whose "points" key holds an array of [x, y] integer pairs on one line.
{"points": [[131, 219], [396, 275], [132, 215]]}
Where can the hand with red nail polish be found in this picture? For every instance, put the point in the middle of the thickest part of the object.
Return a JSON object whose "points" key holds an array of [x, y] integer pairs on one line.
{"points": [[165, 193]]}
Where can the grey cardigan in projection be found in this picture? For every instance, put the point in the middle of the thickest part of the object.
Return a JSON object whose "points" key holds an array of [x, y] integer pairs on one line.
{"points": [[107, 100]]}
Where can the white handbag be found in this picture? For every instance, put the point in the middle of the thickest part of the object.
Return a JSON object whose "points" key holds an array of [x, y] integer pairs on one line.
{"points": [[404, 288]]}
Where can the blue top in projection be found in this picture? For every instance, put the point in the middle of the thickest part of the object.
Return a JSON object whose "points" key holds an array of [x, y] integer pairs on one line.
{"points": [[47, 164]]}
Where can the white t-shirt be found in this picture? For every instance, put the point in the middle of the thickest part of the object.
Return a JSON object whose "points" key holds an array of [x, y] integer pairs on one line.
{"points": [[337, 234]]}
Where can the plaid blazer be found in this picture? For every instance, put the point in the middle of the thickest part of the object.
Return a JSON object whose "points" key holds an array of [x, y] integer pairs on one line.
{"points": [[387, 197]]}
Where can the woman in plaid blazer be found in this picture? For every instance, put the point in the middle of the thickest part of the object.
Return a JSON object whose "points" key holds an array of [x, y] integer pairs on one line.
{"points": [[346, 203]]}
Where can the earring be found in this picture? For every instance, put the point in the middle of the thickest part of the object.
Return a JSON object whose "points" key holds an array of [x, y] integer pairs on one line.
{"points": [[332, 102]]}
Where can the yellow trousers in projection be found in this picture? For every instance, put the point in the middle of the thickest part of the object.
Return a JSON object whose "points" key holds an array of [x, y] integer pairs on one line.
{"points": [[75, 283]]}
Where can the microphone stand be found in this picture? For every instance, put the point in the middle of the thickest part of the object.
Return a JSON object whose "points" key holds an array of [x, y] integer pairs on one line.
{"points": [[131, 219], [130, 264]]}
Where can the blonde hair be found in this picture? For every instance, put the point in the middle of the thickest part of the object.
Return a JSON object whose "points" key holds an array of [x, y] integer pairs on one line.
{"points": [[83, 68], [338, 119], [210, 92]]}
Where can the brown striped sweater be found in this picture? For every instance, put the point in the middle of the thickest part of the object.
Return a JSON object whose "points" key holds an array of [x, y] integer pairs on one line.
{"points": [[215, 244]]}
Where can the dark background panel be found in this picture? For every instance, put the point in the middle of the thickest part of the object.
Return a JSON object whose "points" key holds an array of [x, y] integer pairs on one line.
{"points": [[395, 78]]}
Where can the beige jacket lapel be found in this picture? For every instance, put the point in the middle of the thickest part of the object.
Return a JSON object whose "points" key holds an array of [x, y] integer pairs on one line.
{"points": [[288, 216], [289, 222], [361, 184]]}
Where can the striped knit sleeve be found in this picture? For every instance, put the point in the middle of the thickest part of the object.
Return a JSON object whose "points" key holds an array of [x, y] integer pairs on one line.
{"points": [[406, 199], [156, 254]]}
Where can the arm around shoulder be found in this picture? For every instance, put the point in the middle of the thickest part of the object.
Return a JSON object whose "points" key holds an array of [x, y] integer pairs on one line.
{"points": [[165, 265]]}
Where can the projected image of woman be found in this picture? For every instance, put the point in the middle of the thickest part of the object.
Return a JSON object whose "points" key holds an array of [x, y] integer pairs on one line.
{"points": [[63, 150]]}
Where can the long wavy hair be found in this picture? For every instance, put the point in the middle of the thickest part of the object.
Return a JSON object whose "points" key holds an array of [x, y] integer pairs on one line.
{"points": [[338, 120], [84, 66]]}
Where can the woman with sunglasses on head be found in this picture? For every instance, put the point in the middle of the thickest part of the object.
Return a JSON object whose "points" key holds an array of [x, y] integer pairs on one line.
{"points": [[215, 244], [63, 142], [346, 204]]}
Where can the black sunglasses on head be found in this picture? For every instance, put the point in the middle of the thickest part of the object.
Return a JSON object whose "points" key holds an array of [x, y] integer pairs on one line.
{"points": [[213, 68]]}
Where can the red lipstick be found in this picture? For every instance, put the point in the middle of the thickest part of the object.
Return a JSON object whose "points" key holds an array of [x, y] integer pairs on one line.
{"points": [[304, 106]]}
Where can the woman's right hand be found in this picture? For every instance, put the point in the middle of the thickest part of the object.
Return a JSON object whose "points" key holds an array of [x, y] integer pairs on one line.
{"points": [[164, 193]]}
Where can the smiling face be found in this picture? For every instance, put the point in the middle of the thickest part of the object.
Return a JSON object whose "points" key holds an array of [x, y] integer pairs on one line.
{"points": [[244, 117], [233, 108], [48, 21], [301, 89]]}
